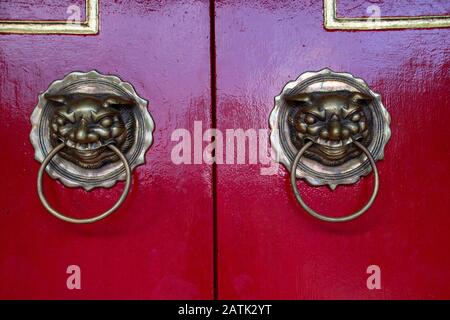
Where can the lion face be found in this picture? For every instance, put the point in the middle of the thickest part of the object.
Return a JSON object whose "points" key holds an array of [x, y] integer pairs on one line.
{"points": [[332, 120], [87, 125]]}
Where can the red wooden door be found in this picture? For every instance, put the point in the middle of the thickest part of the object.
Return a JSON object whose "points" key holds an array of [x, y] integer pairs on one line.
{"points": [[163, 242], [268, 247], [158, 245]]}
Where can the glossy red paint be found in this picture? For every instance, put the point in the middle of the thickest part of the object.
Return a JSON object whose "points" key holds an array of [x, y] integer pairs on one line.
{"points": [[41, 10], [159, 244], [268, 247], [397, 8]]}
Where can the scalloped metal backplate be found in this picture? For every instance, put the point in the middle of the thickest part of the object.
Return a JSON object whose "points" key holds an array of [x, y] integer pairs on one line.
{"points": [[316, 173], [69, 173]]}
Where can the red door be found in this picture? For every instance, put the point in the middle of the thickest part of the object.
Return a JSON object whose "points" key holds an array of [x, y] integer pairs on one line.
{"points": [[234, 230], [269, 247], [158, 245]]}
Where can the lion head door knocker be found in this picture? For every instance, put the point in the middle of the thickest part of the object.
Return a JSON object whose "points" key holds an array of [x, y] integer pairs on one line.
{"points": [[90, 130], [329, 128]]}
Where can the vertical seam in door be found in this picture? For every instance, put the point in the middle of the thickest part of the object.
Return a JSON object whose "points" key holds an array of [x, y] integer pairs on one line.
{"points": [[212, 15]]}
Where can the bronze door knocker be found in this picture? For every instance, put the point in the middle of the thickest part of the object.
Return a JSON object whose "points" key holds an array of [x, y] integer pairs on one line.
{"points": [[329, 128], [90, 130]]}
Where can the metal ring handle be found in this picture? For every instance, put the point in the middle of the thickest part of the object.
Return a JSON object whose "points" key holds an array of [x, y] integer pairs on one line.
{"points": [[326, 218], [88, 220]]}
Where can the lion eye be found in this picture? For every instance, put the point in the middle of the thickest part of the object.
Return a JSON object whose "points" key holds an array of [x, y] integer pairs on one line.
{"points": [[106, 122], [356, 117], [310, 119], [60, 121]]}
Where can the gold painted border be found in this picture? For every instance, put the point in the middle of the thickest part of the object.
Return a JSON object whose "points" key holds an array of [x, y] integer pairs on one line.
{"points": [[89, 26], [332, 22]]}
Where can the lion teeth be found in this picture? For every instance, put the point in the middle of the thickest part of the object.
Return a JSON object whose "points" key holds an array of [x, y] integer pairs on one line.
{"points": [[332, 143], [83, 146], [70, 143], [95, 145]]}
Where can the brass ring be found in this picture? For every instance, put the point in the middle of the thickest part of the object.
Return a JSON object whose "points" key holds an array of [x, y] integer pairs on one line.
{"points": [[326, 218], [88, 220]]}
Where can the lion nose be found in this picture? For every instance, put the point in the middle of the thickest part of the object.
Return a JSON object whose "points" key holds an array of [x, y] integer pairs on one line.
{"points": [[334, 128], [82, 134]]}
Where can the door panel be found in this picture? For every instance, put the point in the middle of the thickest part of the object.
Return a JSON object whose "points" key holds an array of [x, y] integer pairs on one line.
{"points": [[39, 10], [159, 243], [268, 247]]}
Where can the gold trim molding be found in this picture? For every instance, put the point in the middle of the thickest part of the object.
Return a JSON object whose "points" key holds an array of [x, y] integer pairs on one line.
{"points": [[333, 22], [89, 26]]}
